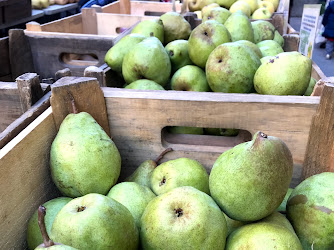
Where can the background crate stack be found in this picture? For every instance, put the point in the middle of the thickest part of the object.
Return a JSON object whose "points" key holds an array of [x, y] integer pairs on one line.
{"points": [[12, 10]]}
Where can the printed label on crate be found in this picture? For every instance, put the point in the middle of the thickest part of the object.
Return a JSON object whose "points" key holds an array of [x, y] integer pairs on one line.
{"points": [[308, 28]]}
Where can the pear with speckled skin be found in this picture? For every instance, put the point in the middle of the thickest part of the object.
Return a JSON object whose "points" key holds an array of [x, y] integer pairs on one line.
{"points": [[144, 84], [178, 54], [231, 67], [310, 209], [83, 158], [259, 170], [287, 73], [175, 27], [178, 173], [219, 14], [278, 38], [112, 224], [263, 30], [270, 48], [184, 218]]}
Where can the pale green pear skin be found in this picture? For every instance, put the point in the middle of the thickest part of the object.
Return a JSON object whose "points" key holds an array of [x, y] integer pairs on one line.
{"points": [[184, 218], [239, 27], [177, 173], [278, 38], [204, 39], [175, 27], [206, 9], [142, 175], [218, 14], [196, 5], [34, 235], [178, 54], [269, 48], [262, 236], [251, 46], [231, 67], [147, 60], [190, 78], [232, 225], [266, 59], [282, 207], [226, 3], [310, 209], [150, 28], [58, 247], [115, 55], [259, 170], [310, 87], [83, 158], [185, 130], [133, 196], [279, 219], [112, 223], [144, 84], [263, 30], [287, 73]]}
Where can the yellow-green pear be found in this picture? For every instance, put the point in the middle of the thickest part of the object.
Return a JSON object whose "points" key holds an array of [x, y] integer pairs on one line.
{"points": [[278, 38], [282, 207], [241, 6], [239, 27], [278, 219], [115, 55], [207, 8], [226, 3], [218, 14], [287, 73], [144, 84], [269, 48], [178, 54], [251, 46], [253, 4], [263, 30], [150, 28], [310, 87], [256, 177], [175, 27]]}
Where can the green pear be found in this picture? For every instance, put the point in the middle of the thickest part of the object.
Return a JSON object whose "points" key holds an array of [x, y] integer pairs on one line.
{"points": [[310, 87], [184, 218], [175, 27], [147, 60], [239, 27], [251, 46], [231, 68], [256, 177], [218, 14], [263, 30], [190, 78], [115, 55], [221, 131], [204, 39], [144, 85], [278, 219], [270, 48], [207, 9], [178, 54], [278, 38], [47, 242], [197, 5], [282, 207], [226, 3], [185, 130], [142, 175], [310, 209], [288, 73], [263, 235], [34, 236], [133, 196], [177, 173], [83, 158], [95, 221], [232, 225], [150, 28], [241, 6]]}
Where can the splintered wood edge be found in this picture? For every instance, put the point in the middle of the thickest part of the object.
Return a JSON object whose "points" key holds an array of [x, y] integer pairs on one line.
{"points": [[319, 155], [87, 95]]}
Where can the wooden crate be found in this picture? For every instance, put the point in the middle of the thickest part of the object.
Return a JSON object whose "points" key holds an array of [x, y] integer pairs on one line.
{"points": [[136, 120]]}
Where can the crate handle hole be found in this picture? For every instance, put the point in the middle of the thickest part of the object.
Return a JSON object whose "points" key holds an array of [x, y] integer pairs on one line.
{"points": [[203, 142], [120, 30], [80, 60]]}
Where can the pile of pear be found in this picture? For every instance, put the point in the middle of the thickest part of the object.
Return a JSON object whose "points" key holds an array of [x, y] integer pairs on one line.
{"points": [[226, 53], [255, 9], [243, 202]]}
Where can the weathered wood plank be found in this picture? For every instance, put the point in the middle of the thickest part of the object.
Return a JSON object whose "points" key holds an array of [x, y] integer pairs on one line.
{"points": [[4, 62]]}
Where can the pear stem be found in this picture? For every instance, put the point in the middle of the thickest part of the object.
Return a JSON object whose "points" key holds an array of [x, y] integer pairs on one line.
{"points": [[74, 108], [41, 223], [162, 155]]}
